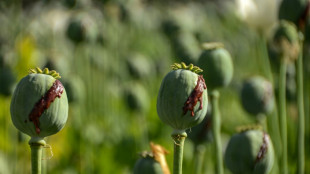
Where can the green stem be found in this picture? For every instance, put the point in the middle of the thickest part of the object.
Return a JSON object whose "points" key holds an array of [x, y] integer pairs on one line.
{"points": [[143, 130], [36, 145], [199, 157], [272, 118], [178, 138], [216, 130], [266, 61], [282, 114], [301, 116]]}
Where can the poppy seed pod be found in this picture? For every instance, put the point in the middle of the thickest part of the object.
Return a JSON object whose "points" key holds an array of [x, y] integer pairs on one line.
{"points": [[8, 79], [217, 64], [139, 66], [171, 28], [257, 96], [286, 30], [39, 105], [136, 97], [186, 47], [75, 89], [250, 151], [183, 99], [147, 164], [76, 31], [286, 40]]}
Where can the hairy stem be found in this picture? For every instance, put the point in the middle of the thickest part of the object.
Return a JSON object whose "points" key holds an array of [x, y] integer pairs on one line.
{"points": [[216, 130], [178, 138], [36, 145]]}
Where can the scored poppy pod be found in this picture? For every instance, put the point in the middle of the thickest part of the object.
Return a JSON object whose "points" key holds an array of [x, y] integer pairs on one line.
{"points": [[183, 99], [39, 105]]}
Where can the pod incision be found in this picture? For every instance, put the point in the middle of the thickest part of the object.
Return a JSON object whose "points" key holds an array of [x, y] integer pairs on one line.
{"points": [[55, 91], [263, 148], [195, 96]]}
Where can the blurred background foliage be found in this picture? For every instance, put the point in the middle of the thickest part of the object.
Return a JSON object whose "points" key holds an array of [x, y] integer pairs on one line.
{"points": [[112, 56]]}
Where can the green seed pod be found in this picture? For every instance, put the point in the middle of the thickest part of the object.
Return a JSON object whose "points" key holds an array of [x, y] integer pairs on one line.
{"points": [[139, 66], [292, 10], [217, 64], [186, 47], [170, 28], [147, 164], [136, 97], [257, 96], [7, 79], [179, 94], [82, 28], [39, 105], [250, 152], [286, 30], [286, 40], [75, 89], [76, 31]]}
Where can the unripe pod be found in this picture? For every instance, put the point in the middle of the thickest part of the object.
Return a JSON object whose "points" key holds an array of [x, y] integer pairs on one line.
{"points": [[286, 40], [76, 31], [7, 78], [186, 47], [171, 28], [147, 164], [250, 152], [136, 97], [153, 162], [75, 89], [139, 66], [286, 30], [217, 64], [180, 92], [257, 96], [39, 105]]}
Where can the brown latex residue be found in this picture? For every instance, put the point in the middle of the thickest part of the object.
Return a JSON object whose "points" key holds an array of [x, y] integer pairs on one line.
{"points": [[159, 153], [195, 96], [263, 148], [44, 103]]}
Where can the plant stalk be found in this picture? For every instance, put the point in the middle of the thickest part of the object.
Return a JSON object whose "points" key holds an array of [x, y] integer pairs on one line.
{"points": [[282, 114], [36, 145], [301, 115], [199, 157], [216, 130], [178, 138], [272, 118], [265, 60]]}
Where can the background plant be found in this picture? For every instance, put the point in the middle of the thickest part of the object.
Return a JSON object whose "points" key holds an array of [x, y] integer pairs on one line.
{"points": [[101, 125]]}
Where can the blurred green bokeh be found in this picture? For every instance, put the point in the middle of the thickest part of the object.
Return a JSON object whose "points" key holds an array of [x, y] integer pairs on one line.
{"points": [[113, 54]]}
